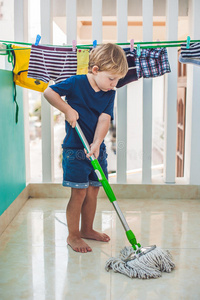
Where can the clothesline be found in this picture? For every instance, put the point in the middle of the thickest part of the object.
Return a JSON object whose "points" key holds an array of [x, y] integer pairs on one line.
{"points": [[29, 66], [155, 44], [143, 45]]}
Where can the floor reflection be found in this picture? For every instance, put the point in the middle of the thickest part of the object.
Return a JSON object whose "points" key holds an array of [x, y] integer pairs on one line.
{"points": [[36, 263]]}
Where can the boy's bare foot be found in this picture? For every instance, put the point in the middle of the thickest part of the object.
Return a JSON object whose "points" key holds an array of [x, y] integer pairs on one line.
{"points": [[95, 235], [78, 245]]}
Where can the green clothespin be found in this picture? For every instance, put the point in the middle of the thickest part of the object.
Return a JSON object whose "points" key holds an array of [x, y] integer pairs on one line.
{"points": [[188, 42], [138, 50]]}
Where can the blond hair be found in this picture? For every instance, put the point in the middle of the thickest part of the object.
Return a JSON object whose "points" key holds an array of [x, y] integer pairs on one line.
{"points": [[109, 57]]}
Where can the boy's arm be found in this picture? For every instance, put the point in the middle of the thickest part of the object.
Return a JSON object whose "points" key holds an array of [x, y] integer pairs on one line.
{"points": [[71, 115], [100, 133]]}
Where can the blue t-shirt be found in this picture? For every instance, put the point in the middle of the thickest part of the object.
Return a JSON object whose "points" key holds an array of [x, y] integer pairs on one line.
{"points": [[88, 103]]}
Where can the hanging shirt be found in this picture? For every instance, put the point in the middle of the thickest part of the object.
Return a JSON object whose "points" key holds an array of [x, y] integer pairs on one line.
{"points": [[89, 105]]}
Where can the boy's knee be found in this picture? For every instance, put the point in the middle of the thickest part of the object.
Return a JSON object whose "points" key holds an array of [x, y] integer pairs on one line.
{"points": [[80, 193], [94, 188]]}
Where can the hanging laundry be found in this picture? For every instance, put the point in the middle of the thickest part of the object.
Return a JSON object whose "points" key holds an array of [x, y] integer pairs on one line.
{"points": [[152, 63], [82, 61], [52, 63], [20, 71], [132, 73], [190, 55]]}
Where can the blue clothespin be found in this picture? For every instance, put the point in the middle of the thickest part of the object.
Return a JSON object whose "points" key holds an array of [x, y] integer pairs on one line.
{"points": [[38, 38], [94, 43], [138, 50], [188, 42], [131, 45]]}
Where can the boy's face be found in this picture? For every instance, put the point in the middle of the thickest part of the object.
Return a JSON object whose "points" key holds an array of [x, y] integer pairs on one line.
{"points": [[106, 80]]}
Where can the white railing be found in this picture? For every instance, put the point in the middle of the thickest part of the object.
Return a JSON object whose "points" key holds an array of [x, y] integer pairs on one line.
{"points": [[192, 138]]}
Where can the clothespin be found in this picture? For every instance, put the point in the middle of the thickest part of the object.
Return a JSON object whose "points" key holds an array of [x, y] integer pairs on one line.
{"points": [[94, 43], [74, 45], [138, 50], [38, 38], [2, 48], [188, 42], [131, 44]]}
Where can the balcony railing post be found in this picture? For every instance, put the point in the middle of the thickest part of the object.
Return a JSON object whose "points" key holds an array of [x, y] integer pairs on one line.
{"points": [[71, 14], [46, 109], [97, 21], [147, 98], [192, 140], [122, 28], [21, 35], [171, 95]]}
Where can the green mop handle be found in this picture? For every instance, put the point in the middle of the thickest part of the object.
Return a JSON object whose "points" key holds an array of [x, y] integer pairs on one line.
{"points": [[107, 188]]}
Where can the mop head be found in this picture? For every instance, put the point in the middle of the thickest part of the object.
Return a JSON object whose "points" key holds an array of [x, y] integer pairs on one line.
{"points": [[148, 265]]}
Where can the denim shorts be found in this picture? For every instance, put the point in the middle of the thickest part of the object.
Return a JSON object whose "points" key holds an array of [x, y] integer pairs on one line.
{"points": [[78, 171]]}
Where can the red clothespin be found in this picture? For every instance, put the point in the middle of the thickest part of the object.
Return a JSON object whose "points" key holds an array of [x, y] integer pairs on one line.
{"points": [[74, 45], [131, 45]]}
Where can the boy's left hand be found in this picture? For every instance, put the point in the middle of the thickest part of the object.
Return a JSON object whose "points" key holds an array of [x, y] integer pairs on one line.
{"points": [[94, 150]]}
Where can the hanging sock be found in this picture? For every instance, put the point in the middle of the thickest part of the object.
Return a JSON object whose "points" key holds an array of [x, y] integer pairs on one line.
{"points": [[132, 73], [82, 61]]}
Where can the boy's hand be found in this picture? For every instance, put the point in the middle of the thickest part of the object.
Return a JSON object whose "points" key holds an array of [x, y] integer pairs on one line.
{"points": [[71, 116], [94, 150]]}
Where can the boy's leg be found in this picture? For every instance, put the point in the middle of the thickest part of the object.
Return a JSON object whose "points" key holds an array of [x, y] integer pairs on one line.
{"points": [[87, 216], [73, 212]]}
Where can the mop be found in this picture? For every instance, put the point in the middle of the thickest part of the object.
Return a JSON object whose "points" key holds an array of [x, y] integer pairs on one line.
{"points": [[134, 261]]}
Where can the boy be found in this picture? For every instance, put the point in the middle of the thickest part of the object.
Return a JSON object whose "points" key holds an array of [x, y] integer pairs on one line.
{"points": [[90, 100]]}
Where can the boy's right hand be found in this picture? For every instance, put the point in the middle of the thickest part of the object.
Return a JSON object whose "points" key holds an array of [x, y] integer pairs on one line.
{"points": [[94, 150], [71, 116]]}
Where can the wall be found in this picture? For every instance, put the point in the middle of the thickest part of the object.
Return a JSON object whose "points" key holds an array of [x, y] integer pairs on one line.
{"points": [[12, 153]]}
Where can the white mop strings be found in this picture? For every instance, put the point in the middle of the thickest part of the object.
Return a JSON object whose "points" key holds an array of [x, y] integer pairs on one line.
{"points": [[149, 265]]}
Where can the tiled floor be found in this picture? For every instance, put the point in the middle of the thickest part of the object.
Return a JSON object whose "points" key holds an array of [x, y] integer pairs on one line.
{"points": [[36, 263]]}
